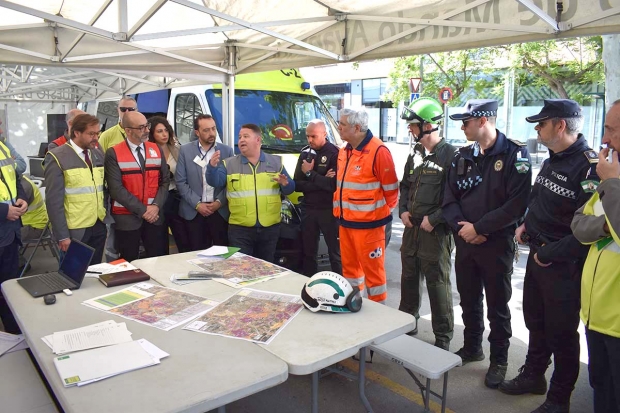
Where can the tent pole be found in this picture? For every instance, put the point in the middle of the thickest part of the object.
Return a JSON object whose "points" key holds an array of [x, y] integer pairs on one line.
{"points": [[232, 69]]}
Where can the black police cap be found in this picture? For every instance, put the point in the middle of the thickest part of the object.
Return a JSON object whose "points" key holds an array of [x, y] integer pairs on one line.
{"points": [[477, 108], [556, 108]]}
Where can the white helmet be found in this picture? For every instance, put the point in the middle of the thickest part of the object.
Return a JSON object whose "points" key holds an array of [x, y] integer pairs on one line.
{"points": [[332, 292]]}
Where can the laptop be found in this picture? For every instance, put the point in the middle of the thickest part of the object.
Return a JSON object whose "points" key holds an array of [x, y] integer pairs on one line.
{"points": [[70, 275]]}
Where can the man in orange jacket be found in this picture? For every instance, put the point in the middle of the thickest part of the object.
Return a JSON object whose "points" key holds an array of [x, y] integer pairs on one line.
{"points": [[366, 192]]}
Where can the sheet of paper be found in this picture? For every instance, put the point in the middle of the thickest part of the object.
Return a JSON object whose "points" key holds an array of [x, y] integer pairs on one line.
{"points": [[23, 345], [8, 341], [110, 267], [87, 338], [99, 363], [116, 299], [213, 251], [48, 339]]}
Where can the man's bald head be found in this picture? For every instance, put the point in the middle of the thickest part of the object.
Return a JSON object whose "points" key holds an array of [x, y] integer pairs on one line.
{"points": [[136, 127], [71, 115], [316, 133]]}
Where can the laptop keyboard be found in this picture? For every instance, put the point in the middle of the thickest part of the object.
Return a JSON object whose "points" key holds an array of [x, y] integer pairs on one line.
{"points": [[55, 281]]}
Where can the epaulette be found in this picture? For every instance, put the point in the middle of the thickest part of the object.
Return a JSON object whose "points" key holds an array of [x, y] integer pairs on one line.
{"points": [[517, 142], [591, 156], [305, 148]]}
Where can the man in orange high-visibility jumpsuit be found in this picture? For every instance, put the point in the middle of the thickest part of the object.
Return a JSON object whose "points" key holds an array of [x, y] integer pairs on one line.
{"points": [[366, 192]]}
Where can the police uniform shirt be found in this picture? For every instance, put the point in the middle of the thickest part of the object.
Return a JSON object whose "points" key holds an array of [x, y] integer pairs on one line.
{"points": [[566, 181], [490, 190], [317, 188]]}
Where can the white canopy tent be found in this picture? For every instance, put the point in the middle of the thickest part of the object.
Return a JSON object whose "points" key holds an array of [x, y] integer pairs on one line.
{"points": [[82, 50]]}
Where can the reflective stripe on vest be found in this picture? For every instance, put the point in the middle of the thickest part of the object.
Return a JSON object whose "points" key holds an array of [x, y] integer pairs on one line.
{"points": [[83, 202], [36, 216], [252, 194], [359, 194], [142, 185], [8, 185]]}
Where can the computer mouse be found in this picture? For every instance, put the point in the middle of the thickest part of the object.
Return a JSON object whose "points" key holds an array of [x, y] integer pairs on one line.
{"points": [[49, 299]]}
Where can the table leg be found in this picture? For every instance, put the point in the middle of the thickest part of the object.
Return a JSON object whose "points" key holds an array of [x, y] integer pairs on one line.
{"points": [[444, 397], [362, 380], [221, 409], [428, 396], [315, 392]]}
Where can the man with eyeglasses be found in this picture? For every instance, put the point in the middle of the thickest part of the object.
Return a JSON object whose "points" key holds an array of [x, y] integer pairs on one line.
{"points": [[137, 176], [74, 188], [566, 181], [485, 198], [116, 134]]}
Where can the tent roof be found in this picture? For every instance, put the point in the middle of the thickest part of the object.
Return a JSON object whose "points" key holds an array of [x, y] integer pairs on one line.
{"points": [[101, 48]]}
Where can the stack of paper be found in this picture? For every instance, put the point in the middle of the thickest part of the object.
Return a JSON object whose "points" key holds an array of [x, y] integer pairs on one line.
{"points": [[97, 364], [10, 343], [96, 335]]}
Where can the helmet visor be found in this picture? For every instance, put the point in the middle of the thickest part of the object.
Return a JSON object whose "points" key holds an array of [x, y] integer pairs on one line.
{"points": [[408, 115]]}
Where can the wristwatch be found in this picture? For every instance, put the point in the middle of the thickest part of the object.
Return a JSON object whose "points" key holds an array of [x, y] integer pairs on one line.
{"points": [[308, 174]]}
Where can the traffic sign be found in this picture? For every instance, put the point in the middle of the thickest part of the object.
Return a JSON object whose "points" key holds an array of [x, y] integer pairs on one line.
{"points": [[414, 84], [445, 95], [414, 96]]}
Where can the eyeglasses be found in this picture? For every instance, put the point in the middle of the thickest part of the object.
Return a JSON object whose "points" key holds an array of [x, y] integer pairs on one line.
{"points": [[124, 109], [465, 122], [92, 134], [141, 127], [542, 123]]}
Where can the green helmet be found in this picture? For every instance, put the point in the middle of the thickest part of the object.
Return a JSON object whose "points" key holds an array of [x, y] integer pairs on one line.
{"points": [[423, 110]]}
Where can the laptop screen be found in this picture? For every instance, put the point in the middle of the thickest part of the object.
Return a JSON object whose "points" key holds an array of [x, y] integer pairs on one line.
{"points": [[76, 261]]}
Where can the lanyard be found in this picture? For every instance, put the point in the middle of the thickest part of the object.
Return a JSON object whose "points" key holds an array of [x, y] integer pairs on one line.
{"points": [[202, 157]]}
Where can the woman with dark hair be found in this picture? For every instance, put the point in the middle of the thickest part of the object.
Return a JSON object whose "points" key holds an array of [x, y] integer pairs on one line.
{"points": [[162, 134]]}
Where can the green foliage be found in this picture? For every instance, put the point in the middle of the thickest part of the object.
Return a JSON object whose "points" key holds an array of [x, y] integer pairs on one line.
{"points": [[472, 73]]}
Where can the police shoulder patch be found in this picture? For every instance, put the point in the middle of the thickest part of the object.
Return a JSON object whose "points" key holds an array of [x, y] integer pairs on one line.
{"points": [[522, 167], [589, 186], [591, 156], [518, 143]]}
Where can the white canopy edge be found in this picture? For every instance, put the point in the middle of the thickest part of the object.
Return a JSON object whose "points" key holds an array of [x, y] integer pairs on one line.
{"points": [[104, 48]]}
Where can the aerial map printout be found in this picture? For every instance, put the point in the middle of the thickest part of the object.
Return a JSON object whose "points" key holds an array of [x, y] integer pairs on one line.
{"points": [[252, 315], [159, 307], [242, 270]]}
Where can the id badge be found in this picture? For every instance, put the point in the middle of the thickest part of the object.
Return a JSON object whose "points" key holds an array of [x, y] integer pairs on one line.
{"points": [[200, 162]]}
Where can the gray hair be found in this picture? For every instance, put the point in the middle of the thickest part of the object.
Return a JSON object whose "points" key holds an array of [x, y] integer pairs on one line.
{"points": [[573, 125], [127, 98], [356, 117]]}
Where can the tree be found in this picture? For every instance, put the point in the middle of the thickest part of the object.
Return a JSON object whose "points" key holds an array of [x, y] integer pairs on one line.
{"points": [[462, 71], [552, 63], [559, 63]]}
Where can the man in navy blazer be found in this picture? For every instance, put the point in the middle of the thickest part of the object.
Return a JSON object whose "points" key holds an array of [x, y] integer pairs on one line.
{"points": [[203, 207]]}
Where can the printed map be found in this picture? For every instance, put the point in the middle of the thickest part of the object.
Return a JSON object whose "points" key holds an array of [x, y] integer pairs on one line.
{"points": [[242, 270], [252, 315], [163, 308]]}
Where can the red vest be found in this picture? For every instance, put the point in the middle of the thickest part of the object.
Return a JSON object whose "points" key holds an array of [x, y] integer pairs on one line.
{"points": [[60, 140], [142, 185]]}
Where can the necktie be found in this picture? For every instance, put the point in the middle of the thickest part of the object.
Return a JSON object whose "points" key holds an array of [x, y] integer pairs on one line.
{"points": [[140, 157], [87, 159]]}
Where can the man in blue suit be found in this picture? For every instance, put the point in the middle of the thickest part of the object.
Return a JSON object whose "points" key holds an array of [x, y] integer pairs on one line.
{"points": [[203, 207]]}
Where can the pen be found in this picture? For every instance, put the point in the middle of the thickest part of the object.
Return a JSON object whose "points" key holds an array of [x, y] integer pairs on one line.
{"points": [[94, 272]]}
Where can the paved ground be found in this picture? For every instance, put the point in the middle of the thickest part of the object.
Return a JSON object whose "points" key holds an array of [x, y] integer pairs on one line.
{"points": [[389, 388]]}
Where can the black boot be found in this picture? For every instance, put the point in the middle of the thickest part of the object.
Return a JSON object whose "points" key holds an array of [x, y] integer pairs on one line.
{"points": [[468, 356], [551, 407], [526, 382], [495, 375]]}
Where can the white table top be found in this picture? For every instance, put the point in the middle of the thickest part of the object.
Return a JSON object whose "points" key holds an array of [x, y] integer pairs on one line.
{"points": [[203, 371], [311, 341], [22, 390]]}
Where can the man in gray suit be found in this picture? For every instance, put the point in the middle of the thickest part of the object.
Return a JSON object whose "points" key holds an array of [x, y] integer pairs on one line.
{"points": [[203, 207], [137, 177], [74, 188]]}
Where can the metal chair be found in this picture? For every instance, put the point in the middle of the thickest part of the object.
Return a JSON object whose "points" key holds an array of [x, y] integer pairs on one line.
{"points": [[45, 239]]}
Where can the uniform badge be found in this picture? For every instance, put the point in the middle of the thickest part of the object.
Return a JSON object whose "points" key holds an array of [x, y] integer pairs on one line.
{"points": [[153, 153], [589, 186], [499, 165], [323, 159], [522, 167], [591, 156]]}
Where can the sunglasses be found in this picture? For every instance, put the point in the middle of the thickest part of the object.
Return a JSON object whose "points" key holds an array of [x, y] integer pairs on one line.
{"points": [[124, 109], [141, 127]]}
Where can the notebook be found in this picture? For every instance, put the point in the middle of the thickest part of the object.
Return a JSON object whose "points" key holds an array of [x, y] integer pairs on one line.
{"points": [[70, 275], [123, 277]]}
